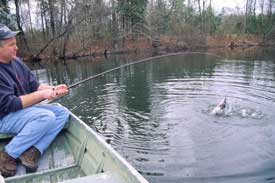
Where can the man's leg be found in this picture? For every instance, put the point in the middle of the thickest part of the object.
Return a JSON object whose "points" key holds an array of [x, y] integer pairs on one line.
{"points": [[30, 125], [61, 117], [35, 148], [30, 157]]}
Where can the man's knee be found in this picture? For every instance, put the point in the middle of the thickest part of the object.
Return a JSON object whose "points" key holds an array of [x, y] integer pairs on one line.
{"points": [[64, 113], [45, 118], [48, 116]]}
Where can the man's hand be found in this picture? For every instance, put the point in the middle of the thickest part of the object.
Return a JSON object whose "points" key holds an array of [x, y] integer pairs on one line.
{"points": [[61, 89], [43, 92], [48, 94]]}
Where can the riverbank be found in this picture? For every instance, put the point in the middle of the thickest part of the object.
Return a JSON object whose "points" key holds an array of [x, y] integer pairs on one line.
{"points": [[162, 46]]}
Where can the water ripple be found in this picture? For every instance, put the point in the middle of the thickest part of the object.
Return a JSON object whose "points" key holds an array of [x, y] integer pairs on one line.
{"points": [[158, 116]]}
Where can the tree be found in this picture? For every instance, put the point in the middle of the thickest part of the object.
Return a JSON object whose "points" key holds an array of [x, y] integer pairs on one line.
{"points": [[8, 19], [4, 6], [52, 16], [18, 20], [132, 13]]}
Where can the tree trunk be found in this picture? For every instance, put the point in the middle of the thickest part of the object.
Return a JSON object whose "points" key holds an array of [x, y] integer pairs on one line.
{"points": [[114, 26], [245, 17], [188, 11], [254, 7], [66, 39], [30, 19], [200, 18], [262, 7], [42, 22], [62, 14], [45, 8], [203, 18], [18, 20], [52, 24], [270, 6], [52, 20], [199, 4]]}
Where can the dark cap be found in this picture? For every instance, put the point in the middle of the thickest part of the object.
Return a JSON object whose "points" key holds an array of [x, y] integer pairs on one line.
{"points": [[6, 33]]}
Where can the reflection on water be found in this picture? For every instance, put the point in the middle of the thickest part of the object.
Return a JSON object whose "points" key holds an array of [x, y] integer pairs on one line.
{"points": [[157, 115]]}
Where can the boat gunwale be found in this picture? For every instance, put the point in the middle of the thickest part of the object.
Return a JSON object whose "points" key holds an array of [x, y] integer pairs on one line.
{"points": [[109, 149]]}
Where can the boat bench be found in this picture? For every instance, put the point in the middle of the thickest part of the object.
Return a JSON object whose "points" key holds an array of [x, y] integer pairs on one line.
{"points": [[106, 177]]}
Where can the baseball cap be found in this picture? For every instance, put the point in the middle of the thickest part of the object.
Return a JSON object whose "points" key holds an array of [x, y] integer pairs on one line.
{"points": [[6, 33]]}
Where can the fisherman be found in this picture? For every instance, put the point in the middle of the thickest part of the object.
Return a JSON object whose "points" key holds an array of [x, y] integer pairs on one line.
{"points": [[35, 125]]}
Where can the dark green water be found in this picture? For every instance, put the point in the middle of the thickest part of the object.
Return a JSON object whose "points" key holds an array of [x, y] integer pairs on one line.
{"points": [[157, 114]]}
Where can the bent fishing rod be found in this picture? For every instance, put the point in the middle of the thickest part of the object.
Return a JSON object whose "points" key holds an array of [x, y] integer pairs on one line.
{"points": [[136, 62], [132, 63]]}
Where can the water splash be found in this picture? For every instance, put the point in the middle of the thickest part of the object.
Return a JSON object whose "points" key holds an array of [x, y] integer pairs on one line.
{"points": [[236, 111]]}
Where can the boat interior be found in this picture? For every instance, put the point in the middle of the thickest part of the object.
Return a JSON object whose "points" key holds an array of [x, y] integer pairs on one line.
{"points": [[77, 155]]}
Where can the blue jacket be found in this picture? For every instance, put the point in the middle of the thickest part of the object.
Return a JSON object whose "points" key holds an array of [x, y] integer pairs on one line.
{"points": [[16, 79]]}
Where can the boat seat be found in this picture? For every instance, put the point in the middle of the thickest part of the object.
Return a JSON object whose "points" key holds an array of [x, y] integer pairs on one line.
{"points": [[106, 177]]}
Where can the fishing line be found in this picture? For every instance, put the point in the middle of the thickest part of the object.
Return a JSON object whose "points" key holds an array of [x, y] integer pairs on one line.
{"points": [[132, 63]]}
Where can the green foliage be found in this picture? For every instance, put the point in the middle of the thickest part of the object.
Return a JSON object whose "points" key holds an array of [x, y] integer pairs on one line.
{"points": [[212, 21], [4, 5], [132, 10], [161, 21], [231, 24], [8, 19]]}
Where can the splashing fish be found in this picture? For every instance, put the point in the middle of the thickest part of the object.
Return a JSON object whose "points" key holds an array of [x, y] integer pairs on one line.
{"points": [[2, 179], [219, 109]]}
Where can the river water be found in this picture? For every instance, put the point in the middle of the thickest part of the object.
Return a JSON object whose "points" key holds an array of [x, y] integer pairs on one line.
{"points": [[158, 113]]}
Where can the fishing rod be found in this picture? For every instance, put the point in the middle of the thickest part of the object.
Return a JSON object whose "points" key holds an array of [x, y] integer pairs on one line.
{"points": [[136, 62], [132, 63]]}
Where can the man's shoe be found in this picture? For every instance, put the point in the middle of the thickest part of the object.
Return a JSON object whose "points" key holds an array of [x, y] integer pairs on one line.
{"points": [[7, 164], [29, 159]]}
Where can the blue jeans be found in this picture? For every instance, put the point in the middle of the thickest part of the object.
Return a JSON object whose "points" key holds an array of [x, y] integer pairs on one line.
{"points": [[36, 126]]}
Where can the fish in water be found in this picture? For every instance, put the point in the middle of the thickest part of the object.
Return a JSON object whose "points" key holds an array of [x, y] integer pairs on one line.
{"points": [[219, 109], [1, 179]]}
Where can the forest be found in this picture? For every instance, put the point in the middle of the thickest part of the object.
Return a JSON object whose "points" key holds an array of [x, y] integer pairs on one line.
{"points": [[73, 28]]}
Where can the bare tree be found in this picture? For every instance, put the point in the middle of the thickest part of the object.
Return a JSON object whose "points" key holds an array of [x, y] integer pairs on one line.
{"points": [[114, 25], [199, 4], [52, 17], [18, 20]]}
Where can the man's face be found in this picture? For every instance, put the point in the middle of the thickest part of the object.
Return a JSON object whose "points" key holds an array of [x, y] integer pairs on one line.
{"points": [[8, 50]]}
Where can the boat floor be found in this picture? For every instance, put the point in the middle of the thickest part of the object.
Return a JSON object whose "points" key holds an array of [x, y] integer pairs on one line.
{"points": [[57, 164]]}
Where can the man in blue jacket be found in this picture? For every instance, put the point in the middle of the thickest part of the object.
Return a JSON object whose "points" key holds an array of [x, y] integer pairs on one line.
{"points": [[35, 125]]}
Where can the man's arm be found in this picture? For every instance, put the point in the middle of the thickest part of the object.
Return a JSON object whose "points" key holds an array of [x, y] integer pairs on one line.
{"points": [[61, 89], [44, 86], [36, 97], [44, 91]]}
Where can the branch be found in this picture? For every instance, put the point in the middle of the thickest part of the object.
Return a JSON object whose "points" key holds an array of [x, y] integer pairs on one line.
{"points": [[68, 27]]}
